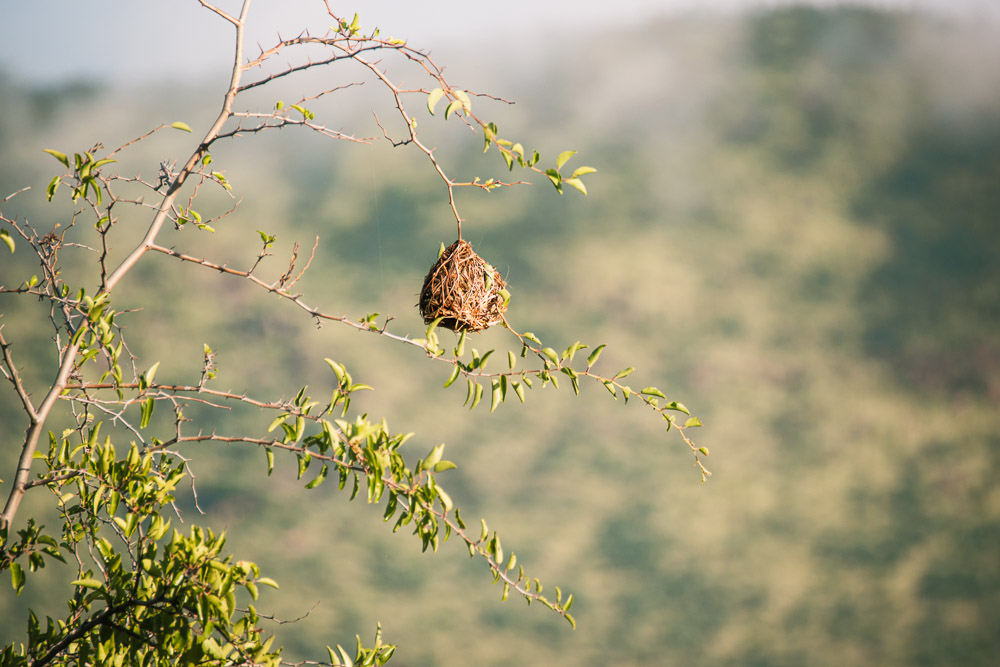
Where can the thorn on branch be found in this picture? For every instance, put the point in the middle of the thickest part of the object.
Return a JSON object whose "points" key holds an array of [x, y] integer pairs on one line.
{"points": [[395, 144], [291, 267]]}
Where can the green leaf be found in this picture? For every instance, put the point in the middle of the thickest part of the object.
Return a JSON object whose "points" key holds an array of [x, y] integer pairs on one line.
{"points": [[338, 370], [87, 582], [555, 178], [267, 581], [147, 412], [278, 421], [50, 191], [446, 502], [17, 577], [151, 373], [319, 478], [563, 157], [435, 455], [463, 97], [570, 351], [345, 660], [212, 648], [454, 376], [496, 396], [576, 183], [62, 157], [592, 359], [496, 549], [679, 407], [623, 373], [270, 460], [181, 125], [653, 391], [551, 354], [5, 237], [441, 466], [693, 421], [582, 171], [432, 326], [456, 105]]}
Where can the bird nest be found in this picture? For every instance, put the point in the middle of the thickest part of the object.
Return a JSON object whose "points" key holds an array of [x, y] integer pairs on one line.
{"points": [[464, 290]]}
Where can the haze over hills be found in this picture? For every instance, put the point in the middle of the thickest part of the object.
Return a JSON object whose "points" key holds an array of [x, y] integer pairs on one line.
{"points": [[793, 230]]}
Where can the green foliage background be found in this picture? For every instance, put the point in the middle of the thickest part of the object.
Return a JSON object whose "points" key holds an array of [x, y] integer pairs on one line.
{"points": [[794, 226]]}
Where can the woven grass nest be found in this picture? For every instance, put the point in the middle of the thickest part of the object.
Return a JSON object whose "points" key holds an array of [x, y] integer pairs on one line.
{"points": [[464, 290]]}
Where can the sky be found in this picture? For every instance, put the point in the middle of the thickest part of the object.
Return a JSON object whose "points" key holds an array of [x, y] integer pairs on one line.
{"points": [[49, 42]]}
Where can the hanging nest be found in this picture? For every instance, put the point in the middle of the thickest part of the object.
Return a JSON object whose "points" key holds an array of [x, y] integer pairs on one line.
{"points": [[464, 290]]}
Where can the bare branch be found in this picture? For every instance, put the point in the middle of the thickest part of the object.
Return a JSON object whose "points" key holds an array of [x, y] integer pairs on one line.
{"points": [[15, 378]]}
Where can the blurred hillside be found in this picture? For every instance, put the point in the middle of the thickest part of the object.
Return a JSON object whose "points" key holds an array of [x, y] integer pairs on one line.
{"points": [[793, 230]]}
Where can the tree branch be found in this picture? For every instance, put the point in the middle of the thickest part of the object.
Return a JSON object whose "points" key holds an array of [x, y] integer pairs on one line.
{"points": [[69, 356], [15, 377]]}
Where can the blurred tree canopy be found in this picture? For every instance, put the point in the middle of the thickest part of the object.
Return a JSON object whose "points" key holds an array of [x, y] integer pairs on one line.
{"points": [[804, 200]]}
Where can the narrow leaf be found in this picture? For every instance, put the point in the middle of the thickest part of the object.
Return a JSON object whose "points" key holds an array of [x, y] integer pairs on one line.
{"points": [[679, 407], [441, 466], [455, 105], [496, 397], [563, 157], [17, 577], [576, 183], [151, 373], [338, 370], [319, 478], [454, 376], [146, 412], [435, 455], [62, 157], [592, 359], [278, 421], [477, 397], [181, 125]]}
